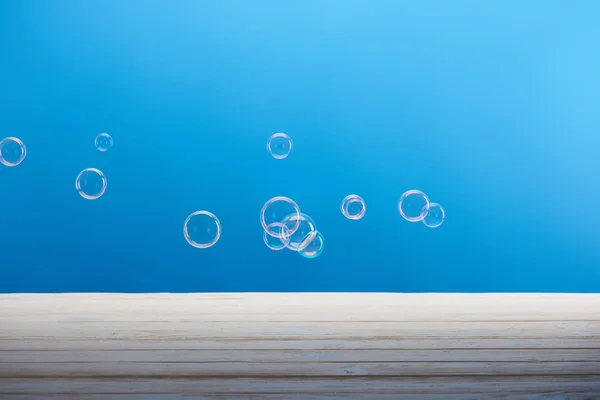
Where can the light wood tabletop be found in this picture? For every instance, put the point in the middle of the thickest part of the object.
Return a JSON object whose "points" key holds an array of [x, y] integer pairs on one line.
{"points": [[370, 346]]}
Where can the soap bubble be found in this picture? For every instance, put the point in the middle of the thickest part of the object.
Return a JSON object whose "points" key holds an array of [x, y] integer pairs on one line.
{"points": [[275, 210], [413, 205], [12, 151], [276, 243], [353, 207], [314, 247], [103, 142], [305, 230], [202, 229], [279, 145], [435, 217], [90, 183]]}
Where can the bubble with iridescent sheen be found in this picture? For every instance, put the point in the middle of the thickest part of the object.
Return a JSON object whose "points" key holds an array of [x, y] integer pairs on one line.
{"points": [[413, 205], [279, 145], [275, 210], [103, 142], [314, 247], [435, 217], [276, 243], [12, 151], [353, 207], [305, 230], [202, 229], [91, 183]]}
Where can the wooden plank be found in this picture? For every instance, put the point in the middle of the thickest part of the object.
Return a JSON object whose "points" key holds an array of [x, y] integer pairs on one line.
{"points": [[299, 356], [300, 346], [339, 316], [305, 330], [257, 343], [312, 307], [506, 386], [326, 396], [268, 369]]}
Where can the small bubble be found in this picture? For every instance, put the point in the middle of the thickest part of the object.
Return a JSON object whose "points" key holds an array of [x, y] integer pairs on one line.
{"points": [[103, 142], [202, 229], [91, 183], [305, 230], [353, 207], [413, 205], [435, 217], [275, 210], [12, 151], [314, 247], [276, 243], [279, 146]]}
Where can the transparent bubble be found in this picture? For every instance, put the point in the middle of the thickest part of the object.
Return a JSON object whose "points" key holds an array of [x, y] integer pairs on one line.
{"points": [[91, 183], [275, 210], [413, 205], [280, 145], [103, 142], [353, 207], [304, 233], [273, 242], [12, 151], [435, 217], [202, 229], [314, 247]]}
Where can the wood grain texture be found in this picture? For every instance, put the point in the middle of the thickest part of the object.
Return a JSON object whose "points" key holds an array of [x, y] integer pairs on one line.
{"points": [[299, 346]]}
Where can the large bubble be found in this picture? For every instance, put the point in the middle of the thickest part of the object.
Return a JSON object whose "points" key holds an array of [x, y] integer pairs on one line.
{"points": [[314, 247], [305, 230], [91, 183], [435, 217], [275, 210], [353, 207], [413, 205], [279, 145], [103, 142], [12, 151], [202, 229], [276, 243]]}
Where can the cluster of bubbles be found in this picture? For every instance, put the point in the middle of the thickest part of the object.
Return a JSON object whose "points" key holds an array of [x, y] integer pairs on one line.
{"points": [[286, 227], [202, 229], [90, 183], [414, 206]]}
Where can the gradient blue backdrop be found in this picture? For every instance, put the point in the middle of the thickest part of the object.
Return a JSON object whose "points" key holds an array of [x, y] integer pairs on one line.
{"points": [[491, 108]]}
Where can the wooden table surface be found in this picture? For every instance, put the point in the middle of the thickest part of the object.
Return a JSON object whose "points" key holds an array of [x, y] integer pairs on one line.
{"points": [[370, 346]]}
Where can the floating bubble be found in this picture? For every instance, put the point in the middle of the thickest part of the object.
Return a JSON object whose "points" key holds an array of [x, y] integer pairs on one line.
{"points": [[413, 205], [275, 210], [305, 230], [353, 207], [314, 247], [435, 217], [280, 145], [12, 151], [103, 142], [90, 183], [276, 243], [202, 229]]}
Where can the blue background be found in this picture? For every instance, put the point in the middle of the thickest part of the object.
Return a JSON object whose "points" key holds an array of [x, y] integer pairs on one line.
{"points": [[491, 108]]}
